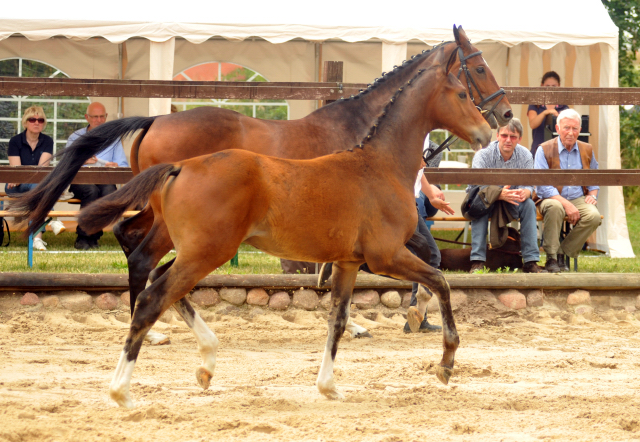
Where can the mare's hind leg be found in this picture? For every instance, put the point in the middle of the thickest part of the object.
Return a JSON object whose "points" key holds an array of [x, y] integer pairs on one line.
{"points": [[404, 265], [343, 280], [132, 231], [141, 262], [170, 287]]}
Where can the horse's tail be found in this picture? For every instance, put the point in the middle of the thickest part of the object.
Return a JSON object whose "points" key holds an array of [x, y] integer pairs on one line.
{"points": [[108, 209], [36, 204]]}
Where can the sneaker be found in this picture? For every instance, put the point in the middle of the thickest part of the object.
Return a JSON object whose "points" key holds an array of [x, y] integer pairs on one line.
{"points": [[39, 244], [66, 195], [562, 263], [552, 266], [57, 227], [532, 267], [425, 327], [476, 266]]}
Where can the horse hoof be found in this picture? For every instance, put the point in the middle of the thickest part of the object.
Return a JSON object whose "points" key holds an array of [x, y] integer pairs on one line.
{"points": [[333, 395], [414, 318], [364, 335], [443, 374], [123, 400], [203, 376], [156, 338]]}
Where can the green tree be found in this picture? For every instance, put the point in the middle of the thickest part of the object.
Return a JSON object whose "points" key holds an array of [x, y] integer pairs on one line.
{"points": [[624, 14]]}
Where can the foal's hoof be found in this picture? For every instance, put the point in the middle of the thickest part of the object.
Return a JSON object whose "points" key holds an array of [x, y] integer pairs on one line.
{"points": [[364, 334], [414, 318], [121, 398], [203, 376], [443, 374]]}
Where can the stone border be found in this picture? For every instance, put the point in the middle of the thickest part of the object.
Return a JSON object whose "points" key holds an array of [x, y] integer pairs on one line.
{"points": [[594, 305]]}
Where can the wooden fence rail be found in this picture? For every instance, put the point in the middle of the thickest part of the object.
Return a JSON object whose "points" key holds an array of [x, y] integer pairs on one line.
{"points": [[280, 90], [602, 177]]}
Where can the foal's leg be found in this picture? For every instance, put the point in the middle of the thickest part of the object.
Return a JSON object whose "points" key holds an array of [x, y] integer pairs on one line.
{"points": [[170, 287], [207, 341], [405, 265], [343, 280]]}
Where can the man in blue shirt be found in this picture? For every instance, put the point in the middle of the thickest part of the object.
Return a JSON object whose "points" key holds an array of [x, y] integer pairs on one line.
{"points": [[577, 203], [506, 153], [112, 156]]}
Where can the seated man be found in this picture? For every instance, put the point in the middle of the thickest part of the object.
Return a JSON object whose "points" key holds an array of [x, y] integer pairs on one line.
{"points": [[506, 153], [577, 203], [112, 156]]}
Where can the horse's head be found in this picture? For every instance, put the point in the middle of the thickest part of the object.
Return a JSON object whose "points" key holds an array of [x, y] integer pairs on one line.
{"points": [[456, 113], [472, 70]]}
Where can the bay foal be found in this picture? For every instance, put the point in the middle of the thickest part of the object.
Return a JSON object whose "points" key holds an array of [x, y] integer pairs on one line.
{"points": [[346, 208]]}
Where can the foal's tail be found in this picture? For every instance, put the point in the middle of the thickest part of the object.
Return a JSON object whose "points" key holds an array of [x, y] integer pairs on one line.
{"points": [[35, 205], [108, 209]]}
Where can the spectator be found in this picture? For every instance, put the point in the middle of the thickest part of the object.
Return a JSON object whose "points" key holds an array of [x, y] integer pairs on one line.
{"points": [[174, 109], [538, 113], [506, 153], [32, 148], [577, 203], [112, 156]]}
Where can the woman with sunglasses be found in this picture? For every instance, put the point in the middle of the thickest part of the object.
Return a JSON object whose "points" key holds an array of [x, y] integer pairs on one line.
{"points": [[32, 148]]}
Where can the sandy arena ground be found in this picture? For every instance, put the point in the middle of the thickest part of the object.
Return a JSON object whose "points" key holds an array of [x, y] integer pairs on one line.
{"points": [[518, 377]]}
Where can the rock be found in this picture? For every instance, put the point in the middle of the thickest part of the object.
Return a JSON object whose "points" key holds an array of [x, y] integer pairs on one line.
{"points": [[513, 299], [29, 299], [125, 298], [621, 301], [486, 297], [234, 296], [579, 297], [257, 297], [325, 302], [586, 311], [458, 299], [205, 297], [306, 299], [77, 302], [365, 299], [391, 299], [50, 301], [535, 298], [406, 299], [279, 301], [106, 301]]}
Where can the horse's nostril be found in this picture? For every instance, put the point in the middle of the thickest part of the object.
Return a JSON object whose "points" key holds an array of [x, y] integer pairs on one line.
{"points": [[508, 114]]}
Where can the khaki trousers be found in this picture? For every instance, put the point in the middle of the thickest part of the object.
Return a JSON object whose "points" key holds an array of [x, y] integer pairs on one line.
{"points": [[553, 215]]}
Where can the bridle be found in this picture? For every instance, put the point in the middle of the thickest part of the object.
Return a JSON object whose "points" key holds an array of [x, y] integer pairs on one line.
{"points": [[486, 114]]}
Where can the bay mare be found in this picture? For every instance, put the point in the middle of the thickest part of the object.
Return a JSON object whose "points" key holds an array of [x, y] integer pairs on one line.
{"points": [[346, 208], [203, 130]]}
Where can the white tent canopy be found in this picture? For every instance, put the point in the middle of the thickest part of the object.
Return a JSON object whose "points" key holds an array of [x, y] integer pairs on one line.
{"points": [[285, 41]]}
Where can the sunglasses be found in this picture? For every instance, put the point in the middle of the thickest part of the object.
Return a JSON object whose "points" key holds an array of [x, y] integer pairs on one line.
{"points": [[34, 120]]}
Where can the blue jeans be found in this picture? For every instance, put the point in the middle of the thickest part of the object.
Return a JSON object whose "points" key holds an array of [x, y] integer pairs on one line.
{"points": [[528, 234], [435, 256], [20, 188]]}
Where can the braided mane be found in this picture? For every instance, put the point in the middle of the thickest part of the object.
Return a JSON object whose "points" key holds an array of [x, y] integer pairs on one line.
{"points": [[373, 130]]}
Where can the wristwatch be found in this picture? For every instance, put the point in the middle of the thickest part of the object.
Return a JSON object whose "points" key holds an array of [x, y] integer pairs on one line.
{"points": [[595, 197]]}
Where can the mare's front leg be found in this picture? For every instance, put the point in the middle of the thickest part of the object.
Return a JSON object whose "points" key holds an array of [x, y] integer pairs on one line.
{"points": [[404, 265], [343, 281]]}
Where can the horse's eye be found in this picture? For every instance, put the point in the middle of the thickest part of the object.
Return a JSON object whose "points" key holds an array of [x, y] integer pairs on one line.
{"points": [[462, 95], [480, 69]]}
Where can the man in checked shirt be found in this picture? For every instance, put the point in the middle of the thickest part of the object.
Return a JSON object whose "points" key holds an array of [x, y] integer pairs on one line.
{"points": [[506, 153]]}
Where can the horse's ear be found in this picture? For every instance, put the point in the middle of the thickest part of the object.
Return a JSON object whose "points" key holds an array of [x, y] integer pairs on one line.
{"points": [[461, 36]]}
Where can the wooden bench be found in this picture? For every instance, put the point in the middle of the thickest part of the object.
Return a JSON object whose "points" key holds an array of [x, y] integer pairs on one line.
{"points": [[539, 219]]}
